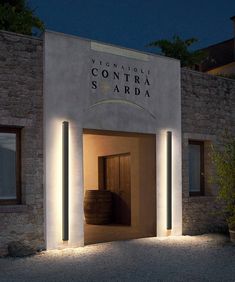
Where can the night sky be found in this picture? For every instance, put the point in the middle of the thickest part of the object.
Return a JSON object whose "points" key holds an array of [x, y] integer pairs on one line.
{"points": [[135, 23]]}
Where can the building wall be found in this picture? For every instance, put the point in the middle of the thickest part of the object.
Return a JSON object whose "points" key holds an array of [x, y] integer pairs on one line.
{"points": [[208, 109], [72, 67], [228, 69], [21, 105], [208, 104]]}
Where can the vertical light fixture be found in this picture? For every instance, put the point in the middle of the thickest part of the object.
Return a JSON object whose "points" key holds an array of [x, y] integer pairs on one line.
{"points": [[65, 181], [169, 180]]}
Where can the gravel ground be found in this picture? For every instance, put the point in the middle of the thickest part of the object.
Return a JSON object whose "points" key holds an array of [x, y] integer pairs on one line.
{"points": [[185, 258]]}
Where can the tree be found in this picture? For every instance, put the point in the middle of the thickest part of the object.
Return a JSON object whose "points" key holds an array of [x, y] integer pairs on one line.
{"points": [[179, 49], [17, 16]]}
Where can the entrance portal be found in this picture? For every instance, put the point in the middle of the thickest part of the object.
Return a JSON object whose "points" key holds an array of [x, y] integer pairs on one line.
{"points": [[123, 164]]}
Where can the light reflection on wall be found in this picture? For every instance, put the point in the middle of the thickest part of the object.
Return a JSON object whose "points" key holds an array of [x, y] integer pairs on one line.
{"points": [[53, 186], [162, 184], [53, 174], [76, 193], [176, 184]]}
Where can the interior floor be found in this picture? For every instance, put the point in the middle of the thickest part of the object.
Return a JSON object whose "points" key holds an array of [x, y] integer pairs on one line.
{"points": [[106, 233]]}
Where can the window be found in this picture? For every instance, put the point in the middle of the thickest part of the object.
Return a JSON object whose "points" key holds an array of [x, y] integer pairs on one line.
{"points": [[10, 166], [196, 168]]}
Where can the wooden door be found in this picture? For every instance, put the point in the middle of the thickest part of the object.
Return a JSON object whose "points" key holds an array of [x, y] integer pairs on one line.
{"points": [[125, 190], [117, 179]]}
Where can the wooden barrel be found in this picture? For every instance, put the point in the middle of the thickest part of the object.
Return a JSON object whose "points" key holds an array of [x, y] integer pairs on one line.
{"points": [[98, 207]]}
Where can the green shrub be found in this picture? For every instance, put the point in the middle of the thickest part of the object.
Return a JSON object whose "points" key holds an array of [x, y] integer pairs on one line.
{"points": [[224, 162]]}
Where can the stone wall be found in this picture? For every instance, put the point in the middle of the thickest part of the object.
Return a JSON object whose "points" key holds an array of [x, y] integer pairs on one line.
{"points": [[208, 109], [21, 84]]}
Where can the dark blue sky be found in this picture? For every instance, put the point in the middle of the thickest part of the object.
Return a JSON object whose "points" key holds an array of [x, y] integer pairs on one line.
{"points": [[134, 23]]}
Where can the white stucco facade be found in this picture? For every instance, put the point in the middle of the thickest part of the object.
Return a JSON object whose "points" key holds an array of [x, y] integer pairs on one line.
{"points": [[98, 86]]}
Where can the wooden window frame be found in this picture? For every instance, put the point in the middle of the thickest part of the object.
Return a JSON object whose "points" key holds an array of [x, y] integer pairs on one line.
{"points": [[202, 168], [17, 132]]}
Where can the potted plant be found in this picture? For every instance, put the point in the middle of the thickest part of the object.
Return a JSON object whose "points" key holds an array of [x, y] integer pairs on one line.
{"points": [[224, 161]]}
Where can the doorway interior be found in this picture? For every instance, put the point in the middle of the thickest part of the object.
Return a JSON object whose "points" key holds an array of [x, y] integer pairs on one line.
{"points": [[115, 176], [124, 165]]}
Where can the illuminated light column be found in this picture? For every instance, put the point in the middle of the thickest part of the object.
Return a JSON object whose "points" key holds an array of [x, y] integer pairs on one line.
{"points": [[169, 180], [65, 181]]}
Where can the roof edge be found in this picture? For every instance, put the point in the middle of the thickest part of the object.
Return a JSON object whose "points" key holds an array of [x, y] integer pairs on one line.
{"points": [[21, 35], [110, 44], [219, 43]]}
